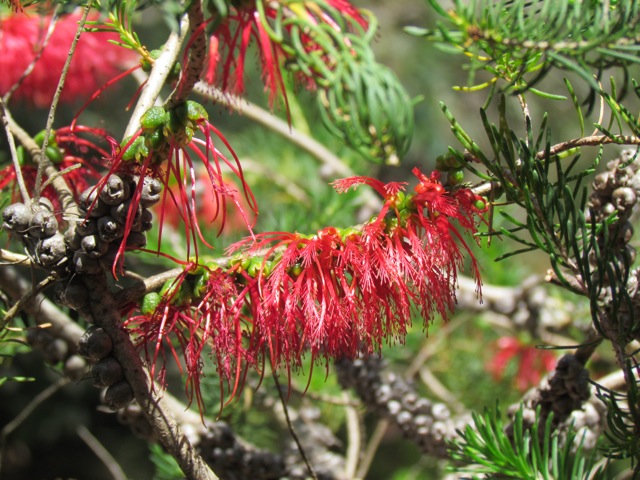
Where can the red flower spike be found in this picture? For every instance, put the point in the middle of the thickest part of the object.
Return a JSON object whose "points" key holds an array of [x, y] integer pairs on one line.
{"points": [[343, 293], [20, 43]]}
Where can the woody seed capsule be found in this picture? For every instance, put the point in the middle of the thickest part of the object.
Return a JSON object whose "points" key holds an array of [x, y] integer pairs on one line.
{"points": [[118, 395], [106, 372], [115, 191], [43, 224], [95, 344], [93, 246], [91, 205], [16, 217], [151, 189], [51, 250], [109, 229]]}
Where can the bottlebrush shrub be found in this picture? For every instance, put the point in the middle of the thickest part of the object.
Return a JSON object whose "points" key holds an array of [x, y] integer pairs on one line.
{"points": [[22, 36], [337, 293]]}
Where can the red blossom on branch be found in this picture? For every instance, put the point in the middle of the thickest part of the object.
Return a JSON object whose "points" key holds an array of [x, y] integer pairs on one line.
{"points": [[532, 363], [21, 41], [340, 293], [337, 293], [164, 156]]}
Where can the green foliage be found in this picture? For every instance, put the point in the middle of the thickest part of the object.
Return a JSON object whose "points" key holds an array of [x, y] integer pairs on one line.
{"points": [[488, 449], [520, 41]]}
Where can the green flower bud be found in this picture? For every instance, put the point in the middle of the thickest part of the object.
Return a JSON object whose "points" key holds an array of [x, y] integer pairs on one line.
{"points": [[39, 138], [455, 177], [136, 151], [154, 118], [150, 302], [54, 154]]}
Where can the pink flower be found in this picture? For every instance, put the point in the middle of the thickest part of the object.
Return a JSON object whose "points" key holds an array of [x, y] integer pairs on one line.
{"points": [[532, 363], [21, 36]]}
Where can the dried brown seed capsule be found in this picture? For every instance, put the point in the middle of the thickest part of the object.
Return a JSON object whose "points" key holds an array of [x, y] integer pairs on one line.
{"points": [[151, 189], [95, 344], [118, 395], [87, 227], [120, 212], [136, 240], [106, 372], [51, 250], [75, 295], [91, 205], [43, 224], [623, 198], [115, 190], [16, 218], [93, 246], [109, 229]]}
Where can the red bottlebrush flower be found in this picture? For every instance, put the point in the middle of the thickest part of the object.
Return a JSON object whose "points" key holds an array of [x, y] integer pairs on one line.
{"points": [[532, 363], [67, 148], [340, 293], [95, 59]]}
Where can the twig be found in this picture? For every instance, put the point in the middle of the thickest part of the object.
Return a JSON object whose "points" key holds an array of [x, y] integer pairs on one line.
{"points": [[372, 447], [162, 67], [590, 141], [42, 160], [197, 56], [102, 453], [14, 258], [24, 300], [354, 431], [14, 156], [291, 429], [43, 310]]}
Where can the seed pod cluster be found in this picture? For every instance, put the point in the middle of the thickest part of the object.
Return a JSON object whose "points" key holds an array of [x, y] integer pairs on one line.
{"points": [[562, 392], [225, 452], [57, 351], [616, 190], [427, 423], [37, 227], [105, 214], [106, 372]]}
